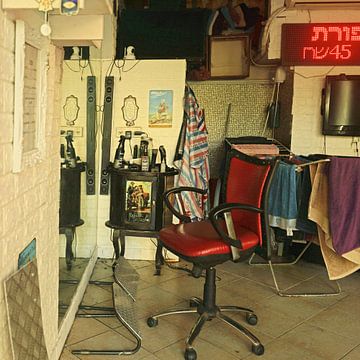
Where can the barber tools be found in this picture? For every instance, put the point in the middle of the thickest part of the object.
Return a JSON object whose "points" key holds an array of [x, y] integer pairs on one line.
{"points": [[144, 153], [163, 166], [70, 154], [153, 165], [119, 154]]}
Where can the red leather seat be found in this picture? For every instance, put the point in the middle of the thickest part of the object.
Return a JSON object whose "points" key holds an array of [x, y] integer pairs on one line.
{"points": [[234, 229]]}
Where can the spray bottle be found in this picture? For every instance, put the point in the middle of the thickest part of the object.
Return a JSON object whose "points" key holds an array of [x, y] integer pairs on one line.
{"points": [[119, 154], [70, 155]]}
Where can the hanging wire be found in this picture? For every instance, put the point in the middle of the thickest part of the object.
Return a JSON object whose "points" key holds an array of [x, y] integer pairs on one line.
{"points": [[70, 68], [315, 76], [268, 112], [110, 68], [131, 67]]}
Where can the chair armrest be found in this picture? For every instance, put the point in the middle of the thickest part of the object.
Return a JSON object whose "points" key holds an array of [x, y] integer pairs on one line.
{"points": [[183, 218], [223, 209]]}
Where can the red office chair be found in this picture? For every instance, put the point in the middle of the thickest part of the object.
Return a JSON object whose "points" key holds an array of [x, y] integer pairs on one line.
{"points": [[232, 232]]}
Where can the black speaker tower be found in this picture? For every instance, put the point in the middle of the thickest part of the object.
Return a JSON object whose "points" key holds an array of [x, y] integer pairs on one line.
{"points": [[106, 138], [91, 134]]}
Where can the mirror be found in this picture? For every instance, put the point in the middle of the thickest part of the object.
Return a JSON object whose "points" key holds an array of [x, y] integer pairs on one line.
{"points": [[80, 85]]}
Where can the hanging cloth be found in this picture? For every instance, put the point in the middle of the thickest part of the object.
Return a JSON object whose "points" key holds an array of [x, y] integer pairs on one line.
{"points": [[194, 165]]}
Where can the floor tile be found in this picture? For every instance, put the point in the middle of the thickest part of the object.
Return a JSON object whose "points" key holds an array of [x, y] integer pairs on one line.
{"points": [[290, 328], [109, 340], [338, 322], [353, 354], [277, 315], [204, 350], [84, 328], [319, 342], [283, 350], [231, 340], [67, 355], [95, 294]]}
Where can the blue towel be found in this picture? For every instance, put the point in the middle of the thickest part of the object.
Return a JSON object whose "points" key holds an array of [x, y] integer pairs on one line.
{"points": [[282, 198]]}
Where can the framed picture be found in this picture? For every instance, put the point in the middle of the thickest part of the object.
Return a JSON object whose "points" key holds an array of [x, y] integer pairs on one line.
{"points": [[160, 108], [229, 56], [138, 201]]}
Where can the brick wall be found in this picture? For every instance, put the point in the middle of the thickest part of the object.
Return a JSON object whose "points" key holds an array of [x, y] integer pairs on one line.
{"points": [[28, 202], [306, 134]]}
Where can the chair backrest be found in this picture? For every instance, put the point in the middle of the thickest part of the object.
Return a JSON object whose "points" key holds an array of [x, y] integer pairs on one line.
{"points": [[245, 181]]}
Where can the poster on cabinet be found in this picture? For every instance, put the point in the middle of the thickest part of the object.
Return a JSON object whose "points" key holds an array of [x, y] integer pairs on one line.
{"points": [[160, 108]]}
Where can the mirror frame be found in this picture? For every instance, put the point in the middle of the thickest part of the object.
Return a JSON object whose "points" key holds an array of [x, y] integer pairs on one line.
{"points": [[24, 34]]}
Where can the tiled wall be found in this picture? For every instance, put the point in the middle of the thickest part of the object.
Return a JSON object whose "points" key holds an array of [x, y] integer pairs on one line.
{"points": [[28, 203], [232, 108], [306, 134]]}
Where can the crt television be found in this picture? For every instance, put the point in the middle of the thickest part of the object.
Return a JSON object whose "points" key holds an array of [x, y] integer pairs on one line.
{"points": [[341, 105]]}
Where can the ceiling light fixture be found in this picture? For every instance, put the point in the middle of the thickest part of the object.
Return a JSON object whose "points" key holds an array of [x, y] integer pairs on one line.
{"points": [[45, 6], [69, 7]]}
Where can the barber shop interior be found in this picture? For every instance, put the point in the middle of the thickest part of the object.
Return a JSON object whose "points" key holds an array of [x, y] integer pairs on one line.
{"points": [[179, 179]]}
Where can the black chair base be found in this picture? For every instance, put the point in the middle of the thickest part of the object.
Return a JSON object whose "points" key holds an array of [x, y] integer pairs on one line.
{"points": [[207, 310]]}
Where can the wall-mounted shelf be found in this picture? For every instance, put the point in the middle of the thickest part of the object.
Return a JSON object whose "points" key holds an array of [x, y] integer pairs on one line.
{"points": [[84, 29]]}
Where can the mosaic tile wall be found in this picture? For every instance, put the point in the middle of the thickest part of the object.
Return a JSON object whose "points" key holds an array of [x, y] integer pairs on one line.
{"points": [[248, 102]]}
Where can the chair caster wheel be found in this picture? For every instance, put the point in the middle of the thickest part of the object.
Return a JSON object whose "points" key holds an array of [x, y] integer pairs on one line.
{"points": [[152, 322], [251, 319], [190, 354], [258, 349]]}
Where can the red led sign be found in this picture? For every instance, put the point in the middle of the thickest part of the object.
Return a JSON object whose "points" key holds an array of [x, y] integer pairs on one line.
{"points": [[320, 44]]}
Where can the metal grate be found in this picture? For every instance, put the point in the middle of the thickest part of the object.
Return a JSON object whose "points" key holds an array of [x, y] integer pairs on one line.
{"points": [[127, 277], [125, 309], [24, 314]]}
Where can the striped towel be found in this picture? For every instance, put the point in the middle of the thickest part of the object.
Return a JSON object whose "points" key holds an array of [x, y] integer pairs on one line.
{"points": [[194, 167]]}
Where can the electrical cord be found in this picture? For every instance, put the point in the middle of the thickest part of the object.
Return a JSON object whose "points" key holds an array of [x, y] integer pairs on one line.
{"points": [[315, 76]]}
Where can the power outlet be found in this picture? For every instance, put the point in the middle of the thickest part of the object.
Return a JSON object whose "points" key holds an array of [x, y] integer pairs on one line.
{"points": [[123, 130], [77, 131]]}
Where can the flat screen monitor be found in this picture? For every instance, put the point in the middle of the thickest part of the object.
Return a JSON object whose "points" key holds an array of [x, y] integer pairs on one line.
{"points": [[341, 105]]}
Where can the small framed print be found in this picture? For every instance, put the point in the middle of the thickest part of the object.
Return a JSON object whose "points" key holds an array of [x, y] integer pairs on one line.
{"points": [[160, 108]]}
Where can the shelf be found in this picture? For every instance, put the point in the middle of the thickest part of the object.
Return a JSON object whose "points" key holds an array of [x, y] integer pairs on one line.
{"points": [[84, 29]]}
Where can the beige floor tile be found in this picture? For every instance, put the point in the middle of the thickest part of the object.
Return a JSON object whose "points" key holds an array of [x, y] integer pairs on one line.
{"points": [[95, 294], [184, 321], [283, 350], [67, 355], [319, 342], [243, 292], [186, 288], [204, 350], [66, 293], [231, 340], [160, 336], [278, 315], [313, 328], [154, 299], [349, 304], [84, 328], [319, 283], [351, 284], [353, 354], [110, 340], [339, 322], [147, 274], [102, 270]]}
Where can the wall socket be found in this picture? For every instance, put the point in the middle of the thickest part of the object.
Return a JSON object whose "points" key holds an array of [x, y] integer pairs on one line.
{"points": [[124, 130], [77, 131]]}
